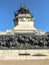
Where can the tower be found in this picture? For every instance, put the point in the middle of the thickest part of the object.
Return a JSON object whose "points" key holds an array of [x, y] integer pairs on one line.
{"points": [[24, 21]]}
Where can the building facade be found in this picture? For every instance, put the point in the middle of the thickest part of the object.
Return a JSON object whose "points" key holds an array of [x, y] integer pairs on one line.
{"points": [[24, 41]]}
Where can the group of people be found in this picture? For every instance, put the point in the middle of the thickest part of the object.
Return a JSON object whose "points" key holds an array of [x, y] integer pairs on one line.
{"points": [[24, 41]]}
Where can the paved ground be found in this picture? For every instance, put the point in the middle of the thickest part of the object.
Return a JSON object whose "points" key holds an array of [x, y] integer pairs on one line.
{"points": [[24, 62]]}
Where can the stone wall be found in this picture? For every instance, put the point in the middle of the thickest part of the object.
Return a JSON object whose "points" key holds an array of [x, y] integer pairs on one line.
{"points": [[24, 54]]}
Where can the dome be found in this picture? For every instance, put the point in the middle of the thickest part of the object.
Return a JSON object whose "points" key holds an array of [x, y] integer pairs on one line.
{"points": [[23, 10]]}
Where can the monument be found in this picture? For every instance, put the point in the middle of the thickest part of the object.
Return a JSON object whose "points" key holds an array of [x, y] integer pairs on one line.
{"points": [[24, 41]]}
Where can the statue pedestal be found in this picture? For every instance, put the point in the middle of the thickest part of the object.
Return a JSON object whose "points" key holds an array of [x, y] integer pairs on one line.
{"points": [[24, 54]]}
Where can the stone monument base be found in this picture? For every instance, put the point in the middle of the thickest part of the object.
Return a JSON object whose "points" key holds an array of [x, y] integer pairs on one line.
{"points": [[24, 54]]}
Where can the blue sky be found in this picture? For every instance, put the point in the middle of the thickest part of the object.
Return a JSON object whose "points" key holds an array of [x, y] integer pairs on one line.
{"points": [[38, 8]]}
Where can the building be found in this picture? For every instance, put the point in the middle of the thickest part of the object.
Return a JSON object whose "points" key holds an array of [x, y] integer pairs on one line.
{"points": [[23, 22], [24, 41]]}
